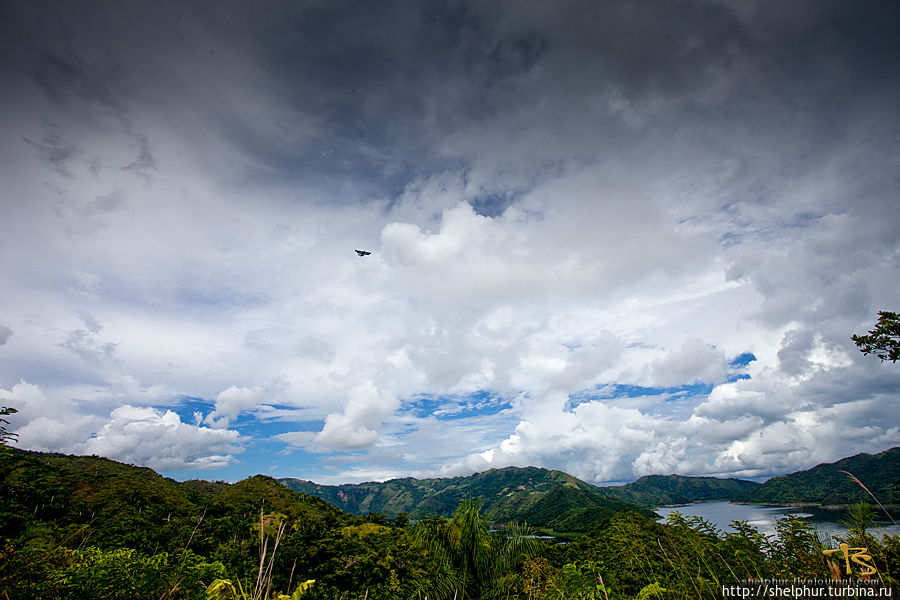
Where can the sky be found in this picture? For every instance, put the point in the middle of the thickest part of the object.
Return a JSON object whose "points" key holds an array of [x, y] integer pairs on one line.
{"points": [[613, 238]]}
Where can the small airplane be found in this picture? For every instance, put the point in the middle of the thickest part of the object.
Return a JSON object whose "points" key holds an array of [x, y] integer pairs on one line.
{"points": [[363, 252]]}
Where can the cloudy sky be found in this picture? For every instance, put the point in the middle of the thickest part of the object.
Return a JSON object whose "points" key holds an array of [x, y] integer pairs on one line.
{"points": [[614, 238]]}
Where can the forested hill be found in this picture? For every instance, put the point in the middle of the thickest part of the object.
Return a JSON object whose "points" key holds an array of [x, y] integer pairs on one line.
{"points": [[539, 497], [558, 501], [53, 499], [660, 490], [514, 492], [439, 495], [826, 484], [88, 527]]}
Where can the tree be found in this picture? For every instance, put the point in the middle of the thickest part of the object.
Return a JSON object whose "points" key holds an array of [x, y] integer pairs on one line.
{"points": [[482, 562], [884, 340], [859, 518], [4, 434]]}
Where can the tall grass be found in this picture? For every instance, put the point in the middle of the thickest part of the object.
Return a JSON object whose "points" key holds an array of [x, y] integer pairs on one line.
{"points": [[688, 557], [225, 589]]}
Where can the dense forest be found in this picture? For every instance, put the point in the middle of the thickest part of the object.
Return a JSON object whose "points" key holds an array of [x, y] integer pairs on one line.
{"points": [[662, 490], [830, 484], [551, 501], [87, 527]]}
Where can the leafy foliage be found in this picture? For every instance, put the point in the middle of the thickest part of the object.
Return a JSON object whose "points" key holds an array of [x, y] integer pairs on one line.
{"points": [[884, 340], [631, 557], [6, 436], [86, 527], [224, 589], [829, 484], [479, 564], [122, 573]]}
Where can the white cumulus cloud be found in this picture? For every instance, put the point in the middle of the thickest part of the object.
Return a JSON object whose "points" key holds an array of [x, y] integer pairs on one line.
{"points": [[160, 440]]}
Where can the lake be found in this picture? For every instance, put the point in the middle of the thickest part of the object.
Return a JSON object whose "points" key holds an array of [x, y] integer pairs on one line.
{"points": [[721, 514]]}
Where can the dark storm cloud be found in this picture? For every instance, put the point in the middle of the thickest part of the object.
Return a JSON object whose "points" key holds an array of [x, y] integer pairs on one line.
{"points": [[384, 84], [375, 88], [53, 150], [382, 87], [69, 82], [145, 161]]}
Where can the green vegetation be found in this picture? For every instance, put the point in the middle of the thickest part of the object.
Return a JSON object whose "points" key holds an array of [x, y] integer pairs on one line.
{"points": [[630, 557], [63, 518], [475, 563], [551, 501], [831, 485], [5, 435], [884, 340], [661, 490], [87, 527]]}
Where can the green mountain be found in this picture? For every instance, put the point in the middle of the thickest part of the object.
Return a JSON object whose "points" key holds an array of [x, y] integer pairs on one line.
{"points": [[661, 490], [542, 498], [89, 527], [52, 499], [827, 485]]}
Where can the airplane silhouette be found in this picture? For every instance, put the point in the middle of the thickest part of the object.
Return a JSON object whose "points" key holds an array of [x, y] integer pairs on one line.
{"points": [[363, 252]]}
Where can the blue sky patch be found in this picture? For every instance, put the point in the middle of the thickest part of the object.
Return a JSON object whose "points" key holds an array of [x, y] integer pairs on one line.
{"points": [[742, 360], [451, 407], [609, 392]]}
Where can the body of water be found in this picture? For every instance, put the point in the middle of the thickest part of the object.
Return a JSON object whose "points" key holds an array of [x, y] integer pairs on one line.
{"points": [[763, 518]]}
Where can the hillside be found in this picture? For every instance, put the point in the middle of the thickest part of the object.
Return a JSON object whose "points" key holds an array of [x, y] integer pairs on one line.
{"points": [[539, 497], [89, 527], [826, 485], [55, 498], [661, 490]]}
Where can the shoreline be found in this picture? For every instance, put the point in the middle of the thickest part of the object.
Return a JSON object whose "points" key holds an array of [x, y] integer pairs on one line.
{"points": [[827, 512], [814, 505]]}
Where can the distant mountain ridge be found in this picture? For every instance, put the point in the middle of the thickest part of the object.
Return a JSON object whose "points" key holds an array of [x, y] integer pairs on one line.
{"points": [[540, 497], [440, 496], [827, 485], [662, 490], [559, 501]]}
